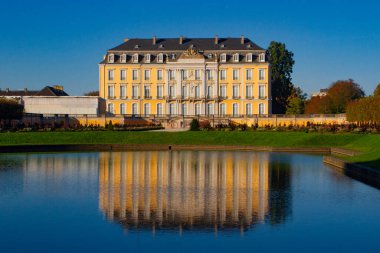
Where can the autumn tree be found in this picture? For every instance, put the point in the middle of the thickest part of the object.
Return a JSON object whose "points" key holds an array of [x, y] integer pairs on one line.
{"points": [[282, 67], [316, 105], [376, 93], [341, 93], [296, 102], [94, 93]]}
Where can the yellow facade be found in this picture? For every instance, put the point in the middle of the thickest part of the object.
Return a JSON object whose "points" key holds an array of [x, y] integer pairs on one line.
{"points": [[187, 88]]}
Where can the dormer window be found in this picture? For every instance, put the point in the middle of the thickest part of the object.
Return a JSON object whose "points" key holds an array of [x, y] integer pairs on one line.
{"points": [[135, 58], [160, 58], [223, 58], [262, 58], [161, 46], [209, 56], [147, 58], [123, 58], [173, 56], [236, 57], [249, 57], [222, 45], [111, 58], [137, 46]]}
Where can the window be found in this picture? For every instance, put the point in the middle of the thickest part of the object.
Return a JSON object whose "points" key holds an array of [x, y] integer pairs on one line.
{"points": [[235, 91], [235, 109], [184, 92], [146, 109], [110, 108], [184, 74], [196, 91], [249, 57], [147, 58], [135, 91], [261, 91], [159, 109], [197, 109], [111, 58], [123, 74], [210, 109], [123, 58], [262, 58], [160, 58], [172, 109], [248, 91], [171, 75], [261, 74], [209, 91], [209, 74], [197, 74], [261, 109], [248, 109], [222, 109], [223, 91], [135, 58], [184, 109], [134, 109], [159, 74], [111, 91], [135, 74], [146, 75], [123, 91], [223, 58], [123, 109], [235, 74], [249, 74], [223, 74], [159, 91], [171, 91], [147, 91], [111, 75], [236, 57], [209, 56]]}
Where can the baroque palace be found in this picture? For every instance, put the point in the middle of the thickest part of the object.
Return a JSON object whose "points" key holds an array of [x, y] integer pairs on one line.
{"points": [[226, 77]]}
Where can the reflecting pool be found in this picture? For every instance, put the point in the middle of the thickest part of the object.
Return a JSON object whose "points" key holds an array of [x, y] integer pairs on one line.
{"points": [[183, 201]]}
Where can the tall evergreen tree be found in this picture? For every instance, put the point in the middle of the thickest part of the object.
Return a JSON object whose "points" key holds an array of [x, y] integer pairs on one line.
{"points": [[282, 67]]}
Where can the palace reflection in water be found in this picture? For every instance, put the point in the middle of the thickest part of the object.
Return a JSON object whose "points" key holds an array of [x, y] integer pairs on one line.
{"points": [[193, 190]]}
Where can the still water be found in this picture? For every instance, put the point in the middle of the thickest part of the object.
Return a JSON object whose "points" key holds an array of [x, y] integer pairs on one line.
{"points": [[183, 202]]}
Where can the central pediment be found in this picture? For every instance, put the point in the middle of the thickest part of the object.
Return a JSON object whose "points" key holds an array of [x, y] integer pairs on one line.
{"points": [[191, 53]]}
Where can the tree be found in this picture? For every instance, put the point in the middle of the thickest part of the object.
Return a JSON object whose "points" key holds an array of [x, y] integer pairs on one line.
{"points": [[341, 93], [10, 109], [376, 92], [282, 67], [365, 110], [94, 93], [296, 102], [316, 105]]}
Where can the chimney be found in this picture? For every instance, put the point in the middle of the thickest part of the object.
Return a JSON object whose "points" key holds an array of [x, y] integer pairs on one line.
{"points": [[58, 87], [242, 39], [180, 39], [216, 40], [154, 40], [126, 40]]}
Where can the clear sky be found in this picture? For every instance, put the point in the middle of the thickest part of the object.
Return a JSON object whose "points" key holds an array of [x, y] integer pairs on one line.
{"points": [[46, 42]]}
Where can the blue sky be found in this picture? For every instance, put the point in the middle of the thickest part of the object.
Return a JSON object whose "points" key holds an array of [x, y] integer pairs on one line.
{"points": [[46, 42]]}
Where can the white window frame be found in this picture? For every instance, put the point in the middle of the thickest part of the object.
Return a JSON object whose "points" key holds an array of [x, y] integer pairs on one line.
{"points": [[135, 74], [248, 74], [171, 74], [235, 91], [261, 109], [135, 109], [159, 109], [248, 109], [223, 58], [111, 87], [159, 92], [262, 74], [123, 58], [160, 58], [146, 109], [235, 74], [159, 74], [123, 87], [197, 75], [111, 108], [123, 78], [262, 57], [262, 88], [223, 91], [135, 91], [123, 109], [236, 57], [146, 74], [111, 74], [235, 109], [147, 91], [249, 57], [222, 109], [223, 74], [111, 58], [135, 58], [249, 91], [147, 58], [197, 109]]}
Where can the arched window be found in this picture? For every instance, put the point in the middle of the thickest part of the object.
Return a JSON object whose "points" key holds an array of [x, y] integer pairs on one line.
{"points": [[110, 108], [146, 109], [134, 109], [122, 109], [235, 109], [159, 109], [222, 109], [248, 109], [261, 109]]}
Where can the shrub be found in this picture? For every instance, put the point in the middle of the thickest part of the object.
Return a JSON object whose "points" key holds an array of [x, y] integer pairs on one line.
{"points": [[194, 125]]}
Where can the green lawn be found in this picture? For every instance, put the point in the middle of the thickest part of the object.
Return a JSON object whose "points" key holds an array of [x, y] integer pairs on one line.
{"points": [[368, 144]]}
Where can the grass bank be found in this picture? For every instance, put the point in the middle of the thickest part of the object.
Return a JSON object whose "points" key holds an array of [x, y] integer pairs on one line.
{"points": [[368, 144]]}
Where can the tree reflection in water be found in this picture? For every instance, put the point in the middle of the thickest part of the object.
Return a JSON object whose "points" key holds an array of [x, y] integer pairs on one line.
{"points": [[193, 190]]}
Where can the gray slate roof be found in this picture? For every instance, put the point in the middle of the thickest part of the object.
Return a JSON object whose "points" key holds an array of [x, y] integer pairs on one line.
{"points": [[172, 44]]}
